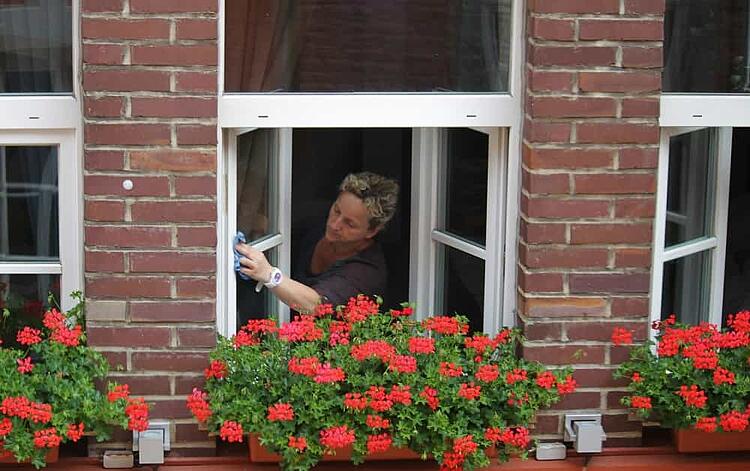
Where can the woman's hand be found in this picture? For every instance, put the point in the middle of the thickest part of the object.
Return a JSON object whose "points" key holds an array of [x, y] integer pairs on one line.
{"points": [[254, 263]]}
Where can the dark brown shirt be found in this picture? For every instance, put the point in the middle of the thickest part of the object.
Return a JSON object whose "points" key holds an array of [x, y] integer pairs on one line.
{"points": [[362, 273]]}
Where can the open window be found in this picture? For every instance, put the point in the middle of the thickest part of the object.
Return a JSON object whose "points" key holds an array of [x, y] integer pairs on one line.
{"points": [[40, 240], [701, 249], [443, 247]]}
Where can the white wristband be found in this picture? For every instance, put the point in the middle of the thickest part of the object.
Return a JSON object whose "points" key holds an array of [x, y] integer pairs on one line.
{"points": [[275, 279]]}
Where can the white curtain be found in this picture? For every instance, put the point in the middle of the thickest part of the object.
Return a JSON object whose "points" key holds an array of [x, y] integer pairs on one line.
{"points": [[36, 46]]}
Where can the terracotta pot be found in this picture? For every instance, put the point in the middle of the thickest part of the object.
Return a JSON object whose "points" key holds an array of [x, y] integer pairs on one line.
{"points": [[697, 441], [52, 456], [260, 454]]}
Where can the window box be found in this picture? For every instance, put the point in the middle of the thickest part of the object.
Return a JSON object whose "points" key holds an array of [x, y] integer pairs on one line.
{"points": [[697, 441]]}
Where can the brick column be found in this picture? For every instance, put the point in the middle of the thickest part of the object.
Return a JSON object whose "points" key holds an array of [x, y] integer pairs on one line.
{"points": [[149, 90], [589, 180]]}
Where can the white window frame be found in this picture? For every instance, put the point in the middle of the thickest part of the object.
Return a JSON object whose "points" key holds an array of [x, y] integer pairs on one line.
{"points": [[681, 113], [425, 217], [501, 113], [54, 120], [714, 242]]}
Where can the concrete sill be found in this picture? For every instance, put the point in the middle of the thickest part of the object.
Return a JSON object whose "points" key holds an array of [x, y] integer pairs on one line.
{"points": [[629, 459]]}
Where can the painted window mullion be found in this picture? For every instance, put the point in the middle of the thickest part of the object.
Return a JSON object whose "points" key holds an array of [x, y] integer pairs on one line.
{"points": [[283, 176], [721, 215]]}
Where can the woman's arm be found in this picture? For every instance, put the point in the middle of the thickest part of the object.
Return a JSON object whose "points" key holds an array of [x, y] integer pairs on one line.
{"points": [[294, 294]]}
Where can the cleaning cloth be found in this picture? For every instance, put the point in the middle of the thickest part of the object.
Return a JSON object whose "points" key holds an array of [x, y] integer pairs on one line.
{"points": [[239, 238]]}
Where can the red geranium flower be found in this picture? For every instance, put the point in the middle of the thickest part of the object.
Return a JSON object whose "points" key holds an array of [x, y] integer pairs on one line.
{"points": [[445, 325], [450, 369], [734, 421], [706, 424], [423, 345], [301, 329], [24, 365], [358, 309], [75, 432], [640, 402], [355, 401], [515, 376], [40, 413], [244, 339], [307, 366], [400, 395], [280, 412], [137, 412], [622, 336], [469, 391], [693, 396], [6, 426], [487, 373], [722, 376], [121, 391], [67, 337], [546, 380], [403, 364], [375, 421], [231, 431], [430, 395], [379, 400], [337, 437], [217, 369], [198, 405], [47, 438], [53, 319], [516, 436], [373, 348], [568, 386], [298, 443], [378, 443], [29, 336], [326, 374]]}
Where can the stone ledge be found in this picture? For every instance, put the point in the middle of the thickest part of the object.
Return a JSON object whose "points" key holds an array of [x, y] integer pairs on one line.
{"points": [[627, 461]]}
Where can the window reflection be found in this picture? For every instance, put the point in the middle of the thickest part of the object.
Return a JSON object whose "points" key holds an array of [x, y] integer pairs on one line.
{"points": [[367, 46], [36, 46], [462, 290], [686, 288], [706, 46], [28, 204]]}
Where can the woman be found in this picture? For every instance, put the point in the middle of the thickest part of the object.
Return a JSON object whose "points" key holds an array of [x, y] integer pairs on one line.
{"points": [[345, 259]]}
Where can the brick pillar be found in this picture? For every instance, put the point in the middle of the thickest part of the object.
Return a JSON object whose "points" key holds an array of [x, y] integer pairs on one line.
{"points": [[588, 193], [149, 90]]}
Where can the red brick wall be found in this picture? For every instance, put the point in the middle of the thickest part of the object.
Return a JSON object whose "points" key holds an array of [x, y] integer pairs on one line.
{"points": [[149, 84], [589, 179]]}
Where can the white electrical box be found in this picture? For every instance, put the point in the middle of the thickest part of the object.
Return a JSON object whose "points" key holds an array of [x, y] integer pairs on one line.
{"points": [[151, 446]]}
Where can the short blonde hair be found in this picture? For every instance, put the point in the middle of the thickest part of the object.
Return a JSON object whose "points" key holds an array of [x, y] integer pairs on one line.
{"points": [[378, 193]]}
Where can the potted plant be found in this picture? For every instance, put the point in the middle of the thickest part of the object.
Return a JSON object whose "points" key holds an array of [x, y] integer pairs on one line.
{"points": [[358, 383], [48, 392], [694, 379]]}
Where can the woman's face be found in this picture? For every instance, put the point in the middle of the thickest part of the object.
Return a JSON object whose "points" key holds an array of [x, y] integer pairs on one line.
{"points": [[348, 220]]}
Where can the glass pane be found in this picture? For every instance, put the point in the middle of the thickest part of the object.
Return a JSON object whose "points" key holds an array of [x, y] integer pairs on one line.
{"points": [[320, 161], [36, 46], [367, 46], [737, 261], [254, 305], [464, 193], [690, 191], [255, 202], [28, 204], [461, 290], [685, 288], [25, 296], [706, 46]]}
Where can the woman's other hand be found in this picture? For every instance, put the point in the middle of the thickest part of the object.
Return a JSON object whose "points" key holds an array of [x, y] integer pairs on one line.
{"points": [[254, 263]]}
